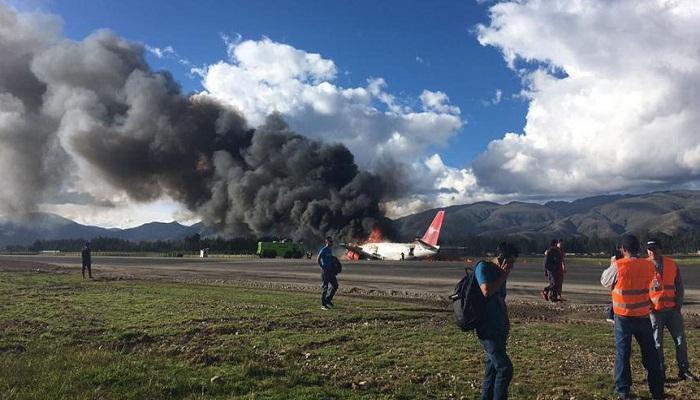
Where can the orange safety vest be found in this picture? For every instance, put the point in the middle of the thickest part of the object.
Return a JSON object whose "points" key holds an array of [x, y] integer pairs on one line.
{"points": [[663, 292], [631, 293]]}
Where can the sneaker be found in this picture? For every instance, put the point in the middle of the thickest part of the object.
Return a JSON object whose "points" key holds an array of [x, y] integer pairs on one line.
{"points": [[324, 307], [612, 321], [687, 376], [330, 305], [544, 295]]}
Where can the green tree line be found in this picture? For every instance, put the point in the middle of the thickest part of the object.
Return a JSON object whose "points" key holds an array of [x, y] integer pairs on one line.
{"points": [[687, 242], [192, 243]]}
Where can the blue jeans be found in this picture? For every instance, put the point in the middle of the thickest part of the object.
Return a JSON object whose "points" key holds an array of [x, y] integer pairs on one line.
{"points": [[498, 371], [673, 320], [329, 285], [640, 328]]}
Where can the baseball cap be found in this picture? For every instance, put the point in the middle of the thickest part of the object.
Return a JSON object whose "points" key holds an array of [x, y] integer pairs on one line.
{"points": [[653, 244]]}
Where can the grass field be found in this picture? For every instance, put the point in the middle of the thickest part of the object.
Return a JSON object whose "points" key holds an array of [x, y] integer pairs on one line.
{"points": [[65, 338]]}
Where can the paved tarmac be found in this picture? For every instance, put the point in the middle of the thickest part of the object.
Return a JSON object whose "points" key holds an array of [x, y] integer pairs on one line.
{"points": [[581, 284]]}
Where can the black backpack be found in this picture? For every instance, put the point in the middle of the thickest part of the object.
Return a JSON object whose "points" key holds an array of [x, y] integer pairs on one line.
{"points": [[337, 266], [468, 302]]}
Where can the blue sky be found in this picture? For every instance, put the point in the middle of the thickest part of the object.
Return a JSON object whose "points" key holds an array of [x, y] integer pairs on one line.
{"points": [[413, 45], [476, 100]]}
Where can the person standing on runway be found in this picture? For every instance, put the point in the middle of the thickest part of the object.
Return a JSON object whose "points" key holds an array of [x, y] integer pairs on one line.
{"points": [[86, 258]]}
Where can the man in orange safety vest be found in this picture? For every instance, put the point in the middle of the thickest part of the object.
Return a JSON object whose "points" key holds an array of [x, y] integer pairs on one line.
{"points": [[667, 300], [630, 279]]}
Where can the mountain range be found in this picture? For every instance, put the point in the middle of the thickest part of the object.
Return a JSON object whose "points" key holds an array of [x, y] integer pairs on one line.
{"points": [[45, 226], [604, 216], [669, 212]]}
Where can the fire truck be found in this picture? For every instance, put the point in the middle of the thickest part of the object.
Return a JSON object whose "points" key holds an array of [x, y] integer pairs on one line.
{"points": [[283, 248]]}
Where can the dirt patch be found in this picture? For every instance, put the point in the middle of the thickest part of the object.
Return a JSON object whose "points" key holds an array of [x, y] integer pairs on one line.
{"points": [[27, 266], [25, 326], [570, 313], [12, 349], [523, 304], [68, 287], [130, 342]]}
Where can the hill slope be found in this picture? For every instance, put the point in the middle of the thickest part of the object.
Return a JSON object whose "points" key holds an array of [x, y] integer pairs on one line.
{"points": [[45, 226], [604, 216]]}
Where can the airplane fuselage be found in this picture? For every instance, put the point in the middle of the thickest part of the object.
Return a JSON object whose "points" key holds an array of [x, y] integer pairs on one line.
{"points": [[421, 248], [393, 251]]}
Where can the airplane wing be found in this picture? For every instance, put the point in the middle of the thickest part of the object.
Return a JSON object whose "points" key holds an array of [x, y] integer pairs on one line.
{"points": [[361, 253]]}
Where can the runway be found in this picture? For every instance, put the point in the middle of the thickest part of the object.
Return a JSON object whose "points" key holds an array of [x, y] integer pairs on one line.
{"points": [[436, 278]]}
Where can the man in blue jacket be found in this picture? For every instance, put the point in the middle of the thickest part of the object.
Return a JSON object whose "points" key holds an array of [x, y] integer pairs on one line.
{"points": [[325, 261], [493, 330]]}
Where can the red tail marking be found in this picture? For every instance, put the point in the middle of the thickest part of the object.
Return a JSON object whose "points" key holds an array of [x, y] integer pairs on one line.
{"points": [[433, 233]]}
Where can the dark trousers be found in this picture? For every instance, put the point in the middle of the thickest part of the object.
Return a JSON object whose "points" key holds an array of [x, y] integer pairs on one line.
{"points": [[559, 281], [640, 329], [328, 287], [556, 280], [498, 371], [673, 320], [87, 265]]}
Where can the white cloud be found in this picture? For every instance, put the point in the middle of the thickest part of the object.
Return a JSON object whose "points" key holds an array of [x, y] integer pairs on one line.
{"points": [[439, 185], [262, 77], [437, 102], [169, 52], [161, 52], [497, 97], [613, 96]]}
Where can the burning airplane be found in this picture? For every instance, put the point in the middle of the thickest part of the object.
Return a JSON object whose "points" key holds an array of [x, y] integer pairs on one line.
{"points": [[377, 249]]}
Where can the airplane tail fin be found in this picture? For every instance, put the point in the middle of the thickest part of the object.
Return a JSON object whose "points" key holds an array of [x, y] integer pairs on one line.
{"points": [[433, 233]]}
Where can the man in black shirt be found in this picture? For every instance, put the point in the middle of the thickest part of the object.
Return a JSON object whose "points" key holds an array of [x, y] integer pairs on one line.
{"points": [[87, 260]]}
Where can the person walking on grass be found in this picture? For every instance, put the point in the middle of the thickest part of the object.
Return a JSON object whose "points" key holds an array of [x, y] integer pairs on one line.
{"points": [[493, 330], [86, 258], [667, 300], [329, 282], [630, 279], [553, 264]]}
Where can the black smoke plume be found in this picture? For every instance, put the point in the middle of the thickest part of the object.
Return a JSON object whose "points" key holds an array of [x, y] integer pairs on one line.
{"points": [[94, 109]]}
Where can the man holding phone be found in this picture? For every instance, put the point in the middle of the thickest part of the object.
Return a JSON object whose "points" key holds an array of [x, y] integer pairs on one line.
{"points": [[631, 278], [667, 300], [493, 330]]}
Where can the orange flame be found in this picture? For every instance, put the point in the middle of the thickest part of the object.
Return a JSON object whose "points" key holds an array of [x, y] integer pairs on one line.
{"points": [[376, 236]]}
